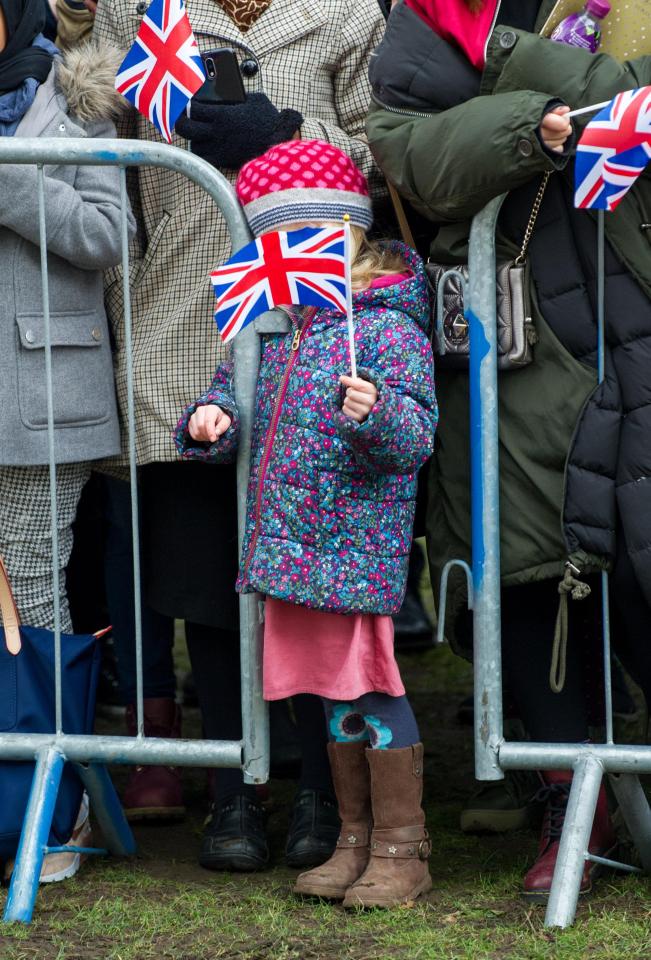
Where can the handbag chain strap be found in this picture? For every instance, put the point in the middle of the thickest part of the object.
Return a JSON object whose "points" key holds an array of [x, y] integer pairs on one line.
{"points": [[10, 616], [528, 233]]}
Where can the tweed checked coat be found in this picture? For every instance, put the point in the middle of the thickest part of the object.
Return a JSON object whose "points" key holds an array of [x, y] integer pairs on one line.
{"points": [[311, 55]]}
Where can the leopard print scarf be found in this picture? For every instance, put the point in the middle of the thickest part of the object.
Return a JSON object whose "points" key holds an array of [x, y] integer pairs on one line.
{"points": [[244, 13]]}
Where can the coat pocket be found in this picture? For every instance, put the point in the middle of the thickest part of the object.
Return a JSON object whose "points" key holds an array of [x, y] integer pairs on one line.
{"points": [[82, 372]]}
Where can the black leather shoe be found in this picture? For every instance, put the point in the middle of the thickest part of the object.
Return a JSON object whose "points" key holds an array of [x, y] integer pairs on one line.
{"points": [[234, 836], [314, 829]]}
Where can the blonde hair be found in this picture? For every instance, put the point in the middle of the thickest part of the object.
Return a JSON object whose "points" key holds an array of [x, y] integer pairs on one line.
{"points": [[370, 261]]}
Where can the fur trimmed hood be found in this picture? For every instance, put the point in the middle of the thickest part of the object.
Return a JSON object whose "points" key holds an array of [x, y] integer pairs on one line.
{"points": [[85, 76]]}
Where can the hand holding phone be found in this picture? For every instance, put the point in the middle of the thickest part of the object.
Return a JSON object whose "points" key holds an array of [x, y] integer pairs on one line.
{"points": [[223, 78]]}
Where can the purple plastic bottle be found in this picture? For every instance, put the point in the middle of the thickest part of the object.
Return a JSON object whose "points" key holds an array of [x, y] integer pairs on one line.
{"points": [[583, 29]]}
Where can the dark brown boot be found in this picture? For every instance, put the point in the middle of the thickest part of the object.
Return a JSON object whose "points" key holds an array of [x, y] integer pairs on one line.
{"points": [[350, 775], [154, 793], [400, 846]]}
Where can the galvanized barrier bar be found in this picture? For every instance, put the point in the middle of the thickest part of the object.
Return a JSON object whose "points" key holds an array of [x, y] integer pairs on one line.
{"points": [[89, 752], [131, 446], [570, 863], [481, 312], [47, 332], [38, 820], [130, 750]]}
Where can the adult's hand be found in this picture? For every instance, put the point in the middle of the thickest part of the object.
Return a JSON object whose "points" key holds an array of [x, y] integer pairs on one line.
{"points": [[228, 135], [556, 129], [91, 6]]}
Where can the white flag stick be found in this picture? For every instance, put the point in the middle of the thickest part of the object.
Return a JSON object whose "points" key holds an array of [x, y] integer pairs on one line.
{"points": [[592, 109], [349, 295]]}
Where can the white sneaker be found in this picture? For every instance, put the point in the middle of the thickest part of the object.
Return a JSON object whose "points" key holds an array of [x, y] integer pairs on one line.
{"points": [[61, 866]]}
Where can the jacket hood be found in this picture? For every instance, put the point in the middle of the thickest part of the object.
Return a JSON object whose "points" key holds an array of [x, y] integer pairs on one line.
{"points": [[410, 296], [86, 77]]}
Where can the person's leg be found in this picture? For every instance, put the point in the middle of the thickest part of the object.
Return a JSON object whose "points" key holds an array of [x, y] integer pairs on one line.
{"points": [[26, 548], [528, 622], [631, 621], [314, 825], [152, 792], [234, 834], [159, 680], [397, 869], [26, 537]]}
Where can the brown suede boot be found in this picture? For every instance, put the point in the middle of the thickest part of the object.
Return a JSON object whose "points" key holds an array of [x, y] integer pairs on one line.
{"points": [[154, 793], [350, 775], [400, 846]]}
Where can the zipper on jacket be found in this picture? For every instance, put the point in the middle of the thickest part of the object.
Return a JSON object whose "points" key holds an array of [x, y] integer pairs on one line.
{"points": [[271, 434], [402, 111]]}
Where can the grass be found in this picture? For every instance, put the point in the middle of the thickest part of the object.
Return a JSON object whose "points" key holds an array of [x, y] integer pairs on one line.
{"points": [[164, 907]]}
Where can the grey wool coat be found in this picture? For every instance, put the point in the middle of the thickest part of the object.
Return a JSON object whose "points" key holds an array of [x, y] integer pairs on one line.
{"points": [[82, 216]]}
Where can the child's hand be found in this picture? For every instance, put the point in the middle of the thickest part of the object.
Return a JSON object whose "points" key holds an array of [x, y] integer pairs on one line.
{"points": [[555, 129], [361, 397], [208, 423]]}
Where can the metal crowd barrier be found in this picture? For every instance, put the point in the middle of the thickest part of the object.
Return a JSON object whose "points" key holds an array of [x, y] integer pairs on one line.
{"points": [[90, 753], [493, 754]]}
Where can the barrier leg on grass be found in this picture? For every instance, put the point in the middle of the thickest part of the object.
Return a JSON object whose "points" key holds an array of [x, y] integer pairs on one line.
{"points": [[579, 818], [34, 837], [636, 812], [107, 809]]}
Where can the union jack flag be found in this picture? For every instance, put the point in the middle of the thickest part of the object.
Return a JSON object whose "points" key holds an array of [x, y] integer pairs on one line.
{"points": [[163, 68], [306, 267], [613, 151]]}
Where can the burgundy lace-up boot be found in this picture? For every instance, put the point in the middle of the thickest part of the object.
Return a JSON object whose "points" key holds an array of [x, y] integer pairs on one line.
{"points": [[154, 793], [555, 793]]}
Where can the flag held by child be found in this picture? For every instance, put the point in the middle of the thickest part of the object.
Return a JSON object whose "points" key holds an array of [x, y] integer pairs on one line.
{"points": [[613, 151], [163, 70], [306, 267]]}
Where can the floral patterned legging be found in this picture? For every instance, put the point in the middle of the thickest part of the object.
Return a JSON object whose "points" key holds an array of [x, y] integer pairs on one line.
{"points": [[386, 722]]}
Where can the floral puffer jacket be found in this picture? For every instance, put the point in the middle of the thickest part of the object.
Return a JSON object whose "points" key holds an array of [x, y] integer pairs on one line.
{"points": [[331, 502]]}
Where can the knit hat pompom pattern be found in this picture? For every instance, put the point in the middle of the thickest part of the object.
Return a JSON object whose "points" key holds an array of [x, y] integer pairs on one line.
{"points": [[302, 181]]}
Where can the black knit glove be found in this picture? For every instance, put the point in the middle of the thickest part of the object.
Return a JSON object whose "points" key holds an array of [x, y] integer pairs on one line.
{"points": [[227, 135]]}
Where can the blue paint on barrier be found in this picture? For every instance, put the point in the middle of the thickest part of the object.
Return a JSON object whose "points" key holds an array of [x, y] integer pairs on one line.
{"points": [[479, 350]]}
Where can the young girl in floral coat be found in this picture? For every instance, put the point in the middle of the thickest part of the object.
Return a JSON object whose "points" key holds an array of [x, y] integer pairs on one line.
{"points": [[330, 511]]}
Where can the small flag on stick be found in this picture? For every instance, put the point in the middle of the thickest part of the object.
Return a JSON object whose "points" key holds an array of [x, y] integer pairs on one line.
{"points": [[613, 151], [303, 267], [163, 70]]}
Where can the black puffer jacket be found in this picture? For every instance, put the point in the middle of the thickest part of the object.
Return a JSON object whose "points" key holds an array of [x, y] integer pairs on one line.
{"points": [[574, 455]]}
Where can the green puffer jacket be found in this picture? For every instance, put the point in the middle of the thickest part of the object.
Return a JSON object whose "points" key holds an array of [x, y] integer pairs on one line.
{"points": [[569, 471]]}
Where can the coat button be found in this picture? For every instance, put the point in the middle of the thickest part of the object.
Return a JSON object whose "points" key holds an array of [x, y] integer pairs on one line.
{"points": [[96, 333], [30, 336], [249, 68], [142, 7], [508, 40], [62, 127], [525, 147]]}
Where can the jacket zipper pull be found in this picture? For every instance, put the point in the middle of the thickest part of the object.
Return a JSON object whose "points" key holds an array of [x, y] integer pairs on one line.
{"points": [[296, 342]]}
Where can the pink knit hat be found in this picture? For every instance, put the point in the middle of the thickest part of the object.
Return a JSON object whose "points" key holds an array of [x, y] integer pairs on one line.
{"points": [[302, 181]]}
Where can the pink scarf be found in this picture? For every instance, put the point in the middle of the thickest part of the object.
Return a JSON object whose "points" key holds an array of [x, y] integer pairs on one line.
{"points": [[453, 21]]}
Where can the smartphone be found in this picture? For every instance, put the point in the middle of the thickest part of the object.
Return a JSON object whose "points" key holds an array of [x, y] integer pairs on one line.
{"points": [[223, 82]]}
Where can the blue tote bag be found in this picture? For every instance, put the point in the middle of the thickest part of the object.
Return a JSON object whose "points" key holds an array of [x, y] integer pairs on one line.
{"points": [[27, 705]]}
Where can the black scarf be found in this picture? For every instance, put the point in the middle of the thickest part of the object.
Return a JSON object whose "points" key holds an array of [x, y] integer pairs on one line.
{"points": [[19, 60]]}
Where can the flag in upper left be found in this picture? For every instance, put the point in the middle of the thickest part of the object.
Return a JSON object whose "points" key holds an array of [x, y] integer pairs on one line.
{"points": [[163, 70]]}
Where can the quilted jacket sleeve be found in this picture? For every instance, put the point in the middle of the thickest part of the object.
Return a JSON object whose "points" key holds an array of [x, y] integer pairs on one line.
{"points": [[576, 76], [220, 392], [398, 435]]}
